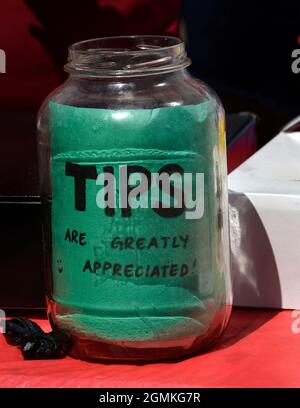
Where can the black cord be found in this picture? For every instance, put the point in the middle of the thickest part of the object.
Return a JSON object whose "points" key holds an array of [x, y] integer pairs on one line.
{"points": [[34, 343]]}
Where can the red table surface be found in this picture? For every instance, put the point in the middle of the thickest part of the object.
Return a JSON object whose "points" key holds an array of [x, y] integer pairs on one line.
{"points": [[259, 349]]}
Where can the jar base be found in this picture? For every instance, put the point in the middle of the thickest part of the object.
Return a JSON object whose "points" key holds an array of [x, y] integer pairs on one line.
{"points": [[89, 346], [103, 350], [107, 352]]}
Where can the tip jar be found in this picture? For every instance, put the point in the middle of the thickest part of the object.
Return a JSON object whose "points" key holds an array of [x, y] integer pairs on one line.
{"points": [[133, 177]]}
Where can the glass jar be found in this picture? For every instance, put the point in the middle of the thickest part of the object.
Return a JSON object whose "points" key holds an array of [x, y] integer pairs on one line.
{"points": [[133, 179]]}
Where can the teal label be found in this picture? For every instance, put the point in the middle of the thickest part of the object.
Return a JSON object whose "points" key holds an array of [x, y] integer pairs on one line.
{"points": [[147, 256]]}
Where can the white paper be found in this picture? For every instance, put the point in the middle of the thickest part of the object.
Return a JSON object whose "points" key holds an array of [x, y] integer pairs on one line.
{"points": [[265, 225]]}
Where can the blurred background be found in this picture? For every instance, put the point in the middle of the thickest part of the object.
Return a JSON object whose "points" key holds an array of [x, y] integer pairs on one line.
{"points": [[242, 49]]}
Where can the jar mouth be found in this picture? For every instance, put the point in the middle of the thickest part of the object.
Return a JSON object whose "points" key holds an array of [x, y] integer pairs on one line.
{"points": [[126, 56]]}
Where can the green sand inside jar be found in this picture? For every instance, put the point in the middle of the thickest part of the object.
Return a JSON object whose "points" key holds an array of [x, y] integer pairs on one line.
{"points": [[96, 297]]}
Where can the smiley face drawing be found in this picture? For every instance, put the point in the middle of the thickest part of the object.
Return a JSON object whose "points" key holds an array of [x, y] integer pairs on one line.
{"points": [[59, 266]]}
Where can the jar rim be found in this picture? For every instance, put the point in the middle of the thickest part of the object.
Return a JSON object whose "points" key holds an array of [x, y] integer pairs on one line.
{"points": [[126, 56], [177, 41]]}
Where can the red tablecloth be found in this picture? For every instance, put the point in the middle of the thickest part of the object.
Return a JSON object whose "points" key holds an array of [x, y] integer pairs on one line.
{"points": [[259, 349]]}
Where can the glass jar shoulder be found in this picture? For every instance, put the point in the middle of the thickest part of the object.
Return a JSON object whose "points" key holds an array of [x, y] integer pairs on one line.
{"points": [[165, 112], [149, 92]]}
